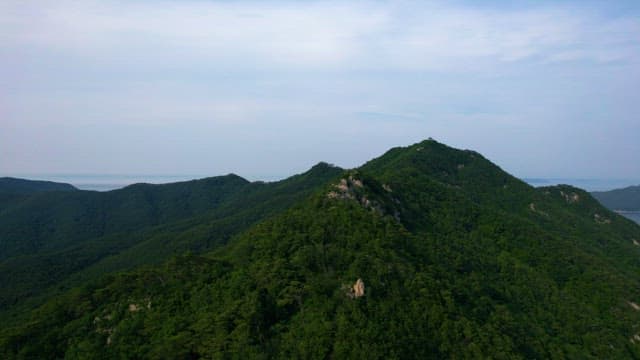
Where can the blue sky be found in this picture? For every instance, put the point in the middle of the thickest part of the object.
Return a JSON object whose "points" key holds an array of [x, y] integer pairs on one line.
{"points": [[267, 89]]}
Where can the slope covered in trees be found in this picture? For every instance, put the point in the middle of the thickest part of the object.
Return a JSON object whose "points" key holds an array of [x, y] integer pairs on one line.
{"points": [[458, 260], [14, 190], [56, 240]]}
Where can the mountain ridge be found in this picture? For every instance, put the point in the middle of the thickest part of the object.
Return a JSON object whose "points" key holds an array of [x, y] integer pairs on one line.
{"points": [[456, 258], [94, 247], [625, 199], [14, 185]]}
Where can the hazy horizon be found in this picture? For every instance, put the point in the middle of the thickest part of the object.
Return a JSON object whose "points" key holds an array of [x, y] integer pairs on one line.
{"points": [[542, 89], [107, 182]]}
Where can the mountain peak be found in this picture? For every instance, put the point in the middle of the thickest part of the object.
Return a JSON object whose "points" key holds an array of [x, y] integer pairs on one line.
{"points": [[463, 169], [323, 167]]}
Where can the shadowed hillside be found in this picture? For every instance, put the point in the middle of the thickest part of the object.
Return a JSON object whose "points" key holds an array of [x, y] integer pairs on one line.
{"points": [[627, 199], [22, 186]]}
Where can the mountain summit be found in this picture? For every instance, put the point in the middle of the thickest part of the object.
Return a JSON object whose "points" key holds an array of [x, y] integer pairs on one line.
{"points": [[424, 252]]}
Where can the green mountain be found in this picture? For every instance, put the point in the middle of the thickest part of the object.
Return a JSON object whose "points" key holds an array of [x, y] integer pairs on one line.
{"points": [[13, 190], [9, 185], [52, 241], [54, 220], [627, 199], [424, 252]]}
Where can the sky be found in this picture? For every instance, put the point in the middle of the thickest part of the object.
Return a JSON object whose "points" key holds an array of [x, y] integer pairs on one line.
{"points": [[266, 89]]}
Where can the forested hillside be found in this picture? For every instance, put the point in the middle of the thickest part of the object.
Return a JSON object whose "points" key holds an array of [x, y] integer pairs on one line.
{"points": [[424, 252], [52, 241]]}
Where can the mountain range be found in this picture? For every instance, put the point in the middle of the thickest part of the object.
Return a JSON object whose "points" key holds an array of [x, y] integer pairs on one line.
{"points": [[627, 199], [424, 252]]}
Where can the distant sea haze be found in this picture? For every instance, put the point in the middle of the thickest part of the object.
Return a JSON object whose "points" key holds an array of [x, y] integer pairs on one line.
{"points": [[633, 215], [585, 184], [108, 182]]}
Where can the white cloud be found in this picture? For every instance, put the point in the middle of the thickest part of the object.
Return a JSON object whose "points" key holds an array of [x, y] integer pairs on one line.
{"points": [[306, 79], [315, 35]]}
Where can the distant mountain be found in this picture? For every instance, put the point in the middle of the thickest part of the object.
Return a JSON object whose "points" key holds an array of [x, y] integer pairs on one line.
{"points": [[627, 199], [23, 186], [424, 252]]}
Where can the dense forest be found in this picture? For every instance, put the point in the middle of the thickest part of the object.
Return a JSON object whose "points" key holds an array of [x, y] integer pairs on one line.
{"points": [[424, 252], [53, 241]]}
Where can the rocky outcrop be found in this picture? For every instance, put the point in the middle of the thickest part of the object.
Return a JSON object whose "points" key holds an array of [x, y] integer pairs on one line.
{"points": [[601, 219], [570, 197], [346, 188], [356, 290], [370, 195], [533, 208]]}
